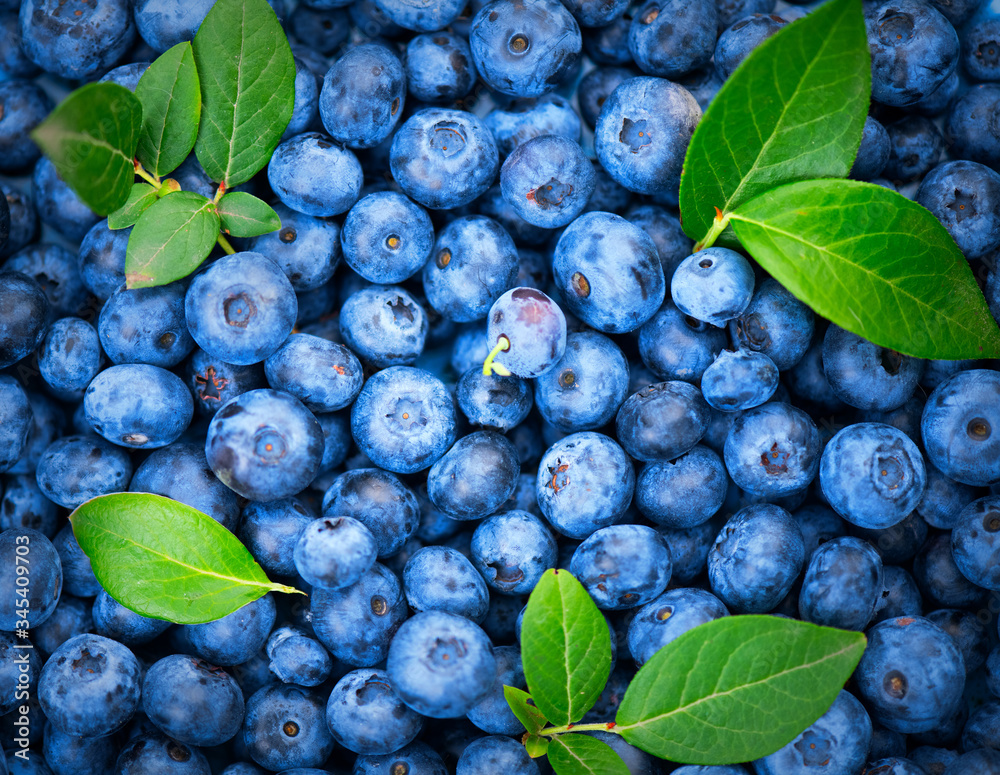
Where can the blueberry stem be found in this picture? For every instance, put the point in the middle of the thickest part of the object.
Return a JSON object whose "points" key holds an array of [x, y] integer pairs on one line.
{"points": [[220, 192], [718, 226], [553, 731], [141, 172], [224, 244], [503, 343]]}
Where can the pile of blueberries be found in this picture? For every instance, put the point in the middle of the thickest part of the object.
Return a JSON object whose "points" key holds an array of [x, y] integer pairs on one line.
{"points": [[468, 183]]}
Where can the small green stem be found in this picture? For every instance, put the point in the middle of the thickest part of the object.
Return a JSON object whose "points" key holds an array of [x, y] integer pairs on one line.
{"points": [[553, 731], [718, 226], [220, 192], [503, 344], [151, 179], [224, 244]]}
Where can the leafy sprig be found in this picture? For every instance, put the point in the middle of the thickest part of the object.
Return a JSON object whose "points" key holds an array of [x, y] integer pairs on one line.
{"points": [[228, 95]]}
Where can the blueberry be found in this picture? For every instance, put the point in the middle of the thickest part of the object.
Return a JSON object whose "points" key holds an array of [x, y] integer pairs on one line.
{"points": [[101, 259], [324, 375], [914, 49], [493, 402], [979, 51], [403, 419], [441, 665], [145, 325], [475, 476], [334, 552], [684, 492], [939, 578], [296, 658], [386, 238], [527, 119], [675, 346], [971, 637], [595, 88], [584, 482], [241, 308], [496, 753], [137, 405], [596, 13], [901, 596], [757, 556], [872, 475], [15, 421], [843, 584], [56, 271], [25, 106], [70, 356], [321, 32], [622, 566], [670, 615], [235, 637], [473, 263], [20, 666], [673, 38], [608, 45], [873, 154], [443, 158], [961, 194], [363, 96], [493, 715], [24, 313], [90, 686], [306, 248], [837, 740], [357, 623], [163, 25], [943, 499], [417, 758], [865, 375], [438, 578], [192, 700], [75, 469], [547, 180], [439, 67], [421, 17], [23, 220], [314, 175], [737, 41], [366, 715], [776, 324], [689, 549], [14, 62], [974, 543], [524, 50], [78, 576], [79, 755], [113, 620], [911, 675], [213, 382], [58, 205], [529, 332], [285, 727], [915, 146], [270, 532], [982, 761], [265, 445], [384, 325], [153, 752], [714, 285], [586, 386], [512, 550], [738, 380], [773, 450], [957, 427], [24, 505], [663, 421], [643, 131], [379, 501]]}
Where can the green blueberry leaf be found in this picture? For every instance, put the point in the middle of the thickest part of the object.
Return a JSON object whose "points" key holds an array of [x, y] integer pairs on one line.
{"points": [[170, 239], [536, 746], [565, 648], [736, 689], [247, 88], [529, 715], [91, 138], [244, 215], [139, 200], [163, 559], [794, 110], [171, 106], [873, 262], [584, 755]]}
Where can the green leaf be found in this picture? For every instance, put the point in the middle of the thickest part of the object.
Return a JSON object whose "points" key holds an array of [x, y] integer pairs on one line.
{"points": [[565, 648], [736, 689], [247, 88], [874, 263], [171, 106], [244, 215], [536, 746], [795, 109], [163, 559], [584, 755], [139, 200], [529, 715], [171, 239], [91, 138]]}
